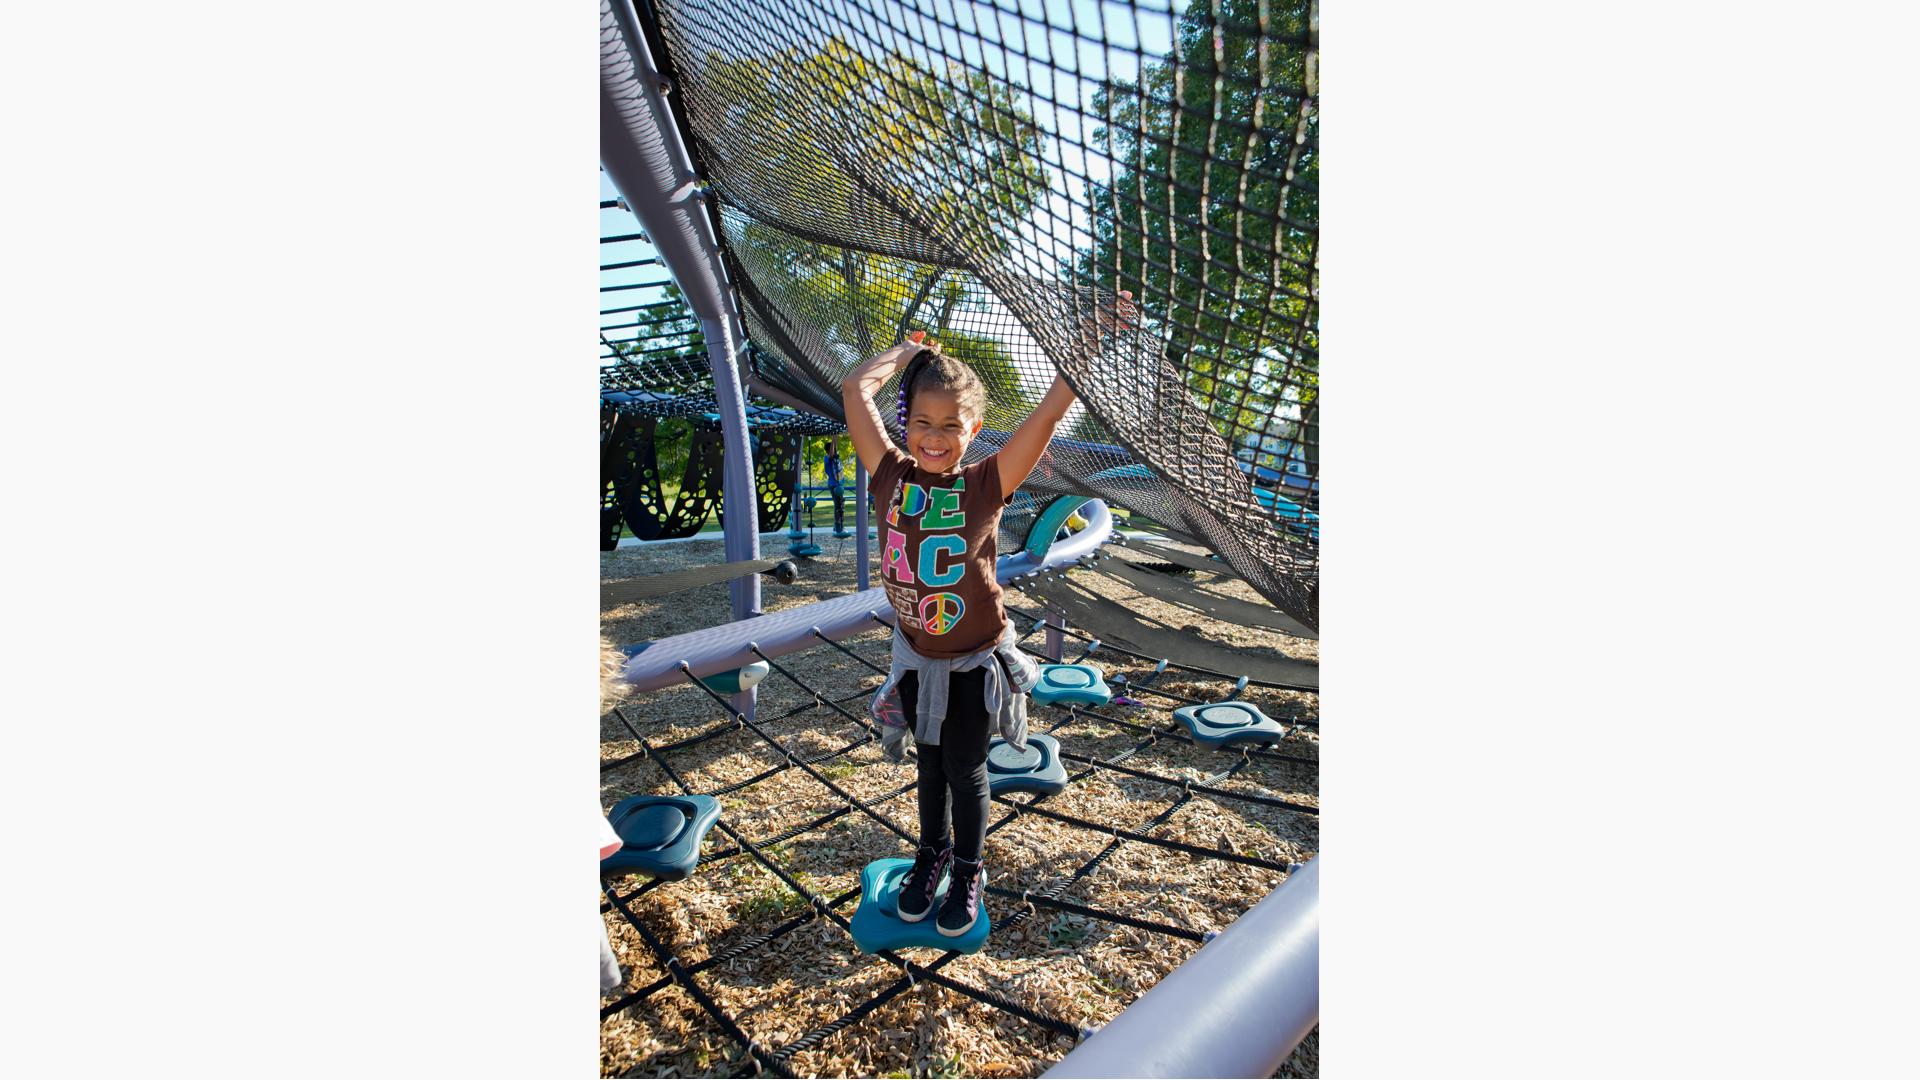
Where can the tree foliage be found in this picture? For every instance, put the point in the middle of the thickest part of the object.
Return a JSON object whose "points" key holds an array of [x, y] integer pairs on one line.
{"points": [[1206, 147], [955, 146]]}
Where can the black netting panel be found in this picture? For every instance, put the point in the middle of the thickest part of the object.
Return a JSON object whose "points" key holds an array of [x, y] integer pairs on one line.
{"points": [[654, 359], [995, 175], [654, 363]]}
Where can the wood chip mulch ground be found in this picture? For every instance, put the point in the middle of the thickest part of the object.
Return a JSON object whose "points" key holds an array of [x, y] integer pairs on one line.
{"points": [[1083, 970]]}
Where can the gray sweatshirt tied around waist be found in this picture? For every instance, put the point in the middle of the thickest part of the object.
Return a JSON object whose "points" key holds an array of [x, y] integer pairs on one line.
{"points": [[1005, 692]]}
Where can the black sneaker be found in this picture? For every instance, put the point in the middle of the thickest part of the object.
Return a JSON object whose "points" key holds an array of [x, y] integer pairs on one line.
{"points": [[957, 915], [916, 892]]}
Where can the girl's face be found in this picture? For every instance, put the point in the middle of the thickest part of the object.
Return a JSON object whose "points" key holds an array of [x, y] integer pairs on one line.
{"points": [[937, 432]]}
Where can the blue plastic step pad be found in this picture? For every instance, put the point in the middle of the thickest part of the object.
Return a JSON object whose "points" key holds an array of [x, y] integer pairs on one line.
{"points": [[1037, 768], [1224, 723], [878, 927], [1072, 684], [660, 834], [803, 551]]}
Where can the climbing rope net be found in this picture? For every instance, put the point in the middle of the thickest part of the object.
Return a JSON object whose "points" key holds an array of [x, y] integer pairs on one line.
{"points": [[1244, 783], [659, 422], [996, 171]]}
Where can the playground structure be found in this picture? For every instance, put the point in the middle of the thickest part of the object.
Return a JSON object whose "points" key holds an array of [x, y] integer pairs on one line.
{"points": [[768, 304]]}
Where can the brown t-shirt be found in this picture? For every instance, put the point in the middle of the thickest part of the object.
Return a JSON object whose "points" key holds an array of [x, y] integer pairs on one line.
{"points": [[937, 553]]}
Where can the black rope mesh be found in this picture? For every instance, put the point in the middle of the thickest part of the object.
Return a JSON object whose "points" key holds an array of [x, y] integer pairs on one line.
{"points": [[996, 175], [659, 410], [662, 370], [1051, 895]]}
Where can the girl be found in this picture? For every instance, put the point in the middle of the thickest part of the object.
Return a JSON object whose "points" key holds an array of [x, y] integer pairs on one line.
{"points": [[949, 627]]}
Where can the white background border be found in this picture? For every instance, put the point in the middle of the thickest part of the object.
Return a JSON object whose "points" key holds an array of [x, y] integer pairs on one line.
{"points": [[300, 592]]}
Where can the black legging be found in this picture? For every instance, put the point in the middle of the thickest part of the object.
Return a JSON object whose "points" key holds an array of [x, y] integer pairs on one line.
{"points": [[958, 764]]}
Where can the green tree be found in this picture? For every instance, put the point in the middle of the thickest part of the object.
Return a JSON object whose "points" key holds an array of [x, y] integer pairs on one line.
{"points": [[1211, 214], [958, 147]]}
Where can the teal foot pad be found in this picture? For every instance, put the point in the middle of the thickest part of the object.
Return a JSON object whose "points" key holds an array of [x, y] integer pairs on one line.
{"points": [[1224, 723], [1037, 768], [803, 551], [877, 926], [738, 679], [1072, 684], [660, 834]]}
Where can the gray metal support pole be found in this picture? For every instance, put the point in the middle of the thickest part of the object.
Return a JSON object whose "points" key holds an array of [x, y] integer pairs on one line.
{"points": [[860, 522], [742, 528], [641, 150], [1237, 1007], [1056, 642]]}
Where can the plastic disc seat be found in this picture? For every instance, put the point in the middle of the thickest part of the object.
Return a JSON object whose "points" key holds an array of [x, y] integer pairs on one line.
{"points": [[1072, 684], [1037, 768], [803, 551], [877, 925], [1223, 723], [660, 834]]}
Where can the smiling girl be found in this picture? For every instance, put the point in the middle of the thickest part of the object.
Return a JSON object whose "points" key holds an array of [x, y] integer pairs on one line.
{"points": [[946, 685]]}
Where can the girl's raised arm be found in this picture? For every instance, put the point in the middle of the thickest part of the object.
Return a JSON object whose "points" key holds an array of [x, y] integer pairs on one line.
{"points": [[1029, 440], [864, 426]]}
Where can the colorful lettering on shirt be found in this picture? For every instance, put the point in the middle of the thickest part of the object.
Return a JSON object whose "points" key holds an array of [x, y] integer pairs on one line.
{"points": [[941, 612], [931, 549], [913, 500], [905, 604], [943, 507], [895, 563]]}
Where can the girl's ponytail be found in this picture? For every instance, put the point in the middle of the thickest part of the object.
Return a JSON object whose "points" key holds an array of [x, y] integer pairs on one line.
{"points": [[914, 367]]}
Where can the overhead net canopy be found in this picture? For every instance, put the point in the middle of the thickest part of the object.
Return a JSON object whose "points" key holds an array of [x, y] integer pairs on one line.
{"points": [[653, 356], [995, 171], [659, 421]]}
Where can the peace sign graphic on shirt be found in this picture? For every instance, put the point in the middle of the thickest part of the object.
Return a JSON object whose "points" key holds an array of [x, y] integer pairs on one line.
{"points": [[941, 611]]}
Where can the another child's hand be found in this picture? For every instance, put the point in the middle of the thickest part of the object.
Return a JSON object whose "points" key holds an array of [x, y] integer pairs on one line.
{"points": [[1121, 314]]}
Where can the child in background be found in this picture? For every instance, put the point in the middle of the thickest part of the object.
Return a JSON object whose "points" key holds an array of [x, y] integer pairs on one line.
{"points": [[957, 676]]}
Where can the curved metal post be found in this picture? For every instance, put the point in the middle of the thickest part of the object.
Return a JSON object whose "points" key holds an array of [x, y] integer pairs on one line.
{"points": [[642, 152], [731, 645], [1237, 1007]]}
